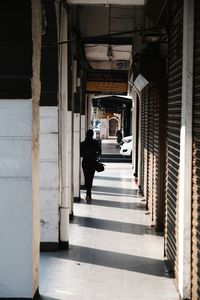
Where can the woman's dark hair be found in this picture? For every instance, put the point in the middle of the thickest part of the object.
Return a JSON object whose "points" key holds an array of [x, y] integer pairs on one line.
{"points": [[89, 133]]}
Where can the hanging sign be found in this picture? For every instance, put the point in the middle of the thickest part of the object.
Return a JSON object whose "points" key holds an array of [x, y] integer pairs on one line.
{"points": [[107, 81]]}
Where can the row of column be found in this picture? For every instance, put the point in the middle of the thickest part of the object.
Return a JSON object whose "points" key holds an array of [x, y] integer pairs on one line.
{"points": [[39, 169]]}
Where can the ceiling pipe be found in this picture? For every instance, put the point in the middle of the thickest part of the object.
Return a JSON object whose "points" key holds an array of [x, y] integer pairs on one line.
{"points": [[108, 35], [161, 11]]}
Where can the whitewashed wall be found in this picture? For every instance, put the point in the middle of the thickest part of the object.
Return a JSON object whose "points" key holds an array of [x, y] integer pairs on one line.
{"points": [[16, 222], [49, 175]]}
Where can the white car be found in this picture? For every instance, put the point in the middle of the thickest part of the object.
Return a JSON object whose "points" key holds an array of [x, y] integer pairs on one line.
{"points": [[127, 139], [126, 148]]}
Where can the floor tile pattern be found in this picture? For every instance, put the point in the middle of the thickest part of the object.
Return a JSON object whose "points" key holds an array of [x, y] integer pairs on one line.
{"points": [[114, 253]]}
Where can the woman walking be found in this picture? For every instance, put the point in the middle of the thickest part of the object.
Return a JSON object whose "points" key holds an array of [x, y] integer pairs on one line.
{"points": [[90, 151]]}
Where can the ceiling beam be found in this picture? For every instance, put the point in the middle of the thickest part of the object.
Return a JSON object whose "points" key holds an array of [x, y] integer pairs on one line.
{"points": [[106, 2]]}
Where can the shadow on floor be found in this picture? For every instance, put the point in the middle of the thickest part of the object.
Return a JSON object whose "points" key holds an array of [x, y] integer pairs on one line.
{"points": [[123, 227], [40, 297], [120, 190], [116, 204], [133, 263], [114, 194], [113, 178]]}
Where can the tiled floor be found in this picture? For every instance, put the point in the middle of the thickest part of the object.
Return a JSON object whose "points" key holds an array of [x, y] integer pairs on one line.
{"points": [[114, 253]]}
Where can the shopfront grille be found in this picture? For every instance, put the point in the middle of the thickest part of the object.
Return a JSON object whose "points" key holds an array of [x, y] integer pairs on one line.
{"points": [[173, 139], [196, 162]]}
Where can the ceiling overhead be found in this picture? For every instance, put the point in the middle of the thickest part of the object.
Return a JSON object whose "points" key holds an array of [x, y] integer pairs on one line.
{"points": [[107, 33], [106, 52], [107, 2]]}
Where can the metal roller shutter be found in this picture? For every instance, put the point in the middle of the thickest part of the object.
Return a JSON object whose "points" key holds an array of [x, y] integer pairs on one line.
{"points": [[196, 162], [146, 126], [156, 162], [150, 162], [156, 154], [142, 149], [173, 138], [144, 142], [160, 153]]}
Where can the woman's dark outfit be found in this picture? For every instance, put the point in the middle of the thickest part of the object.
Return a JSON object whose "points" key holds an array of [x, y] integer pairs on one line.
{"points": [[90, 150]]}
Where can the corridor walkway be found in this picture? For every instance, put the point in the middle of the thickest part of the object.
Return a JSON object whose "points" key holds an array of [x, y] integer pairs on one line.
{"points": [[114, 253]]}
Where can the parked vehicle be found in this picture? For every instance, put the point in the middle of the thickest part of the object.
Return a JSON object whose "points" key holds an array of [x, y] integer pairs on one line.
{"points": [[126, 147], [127, 139]]}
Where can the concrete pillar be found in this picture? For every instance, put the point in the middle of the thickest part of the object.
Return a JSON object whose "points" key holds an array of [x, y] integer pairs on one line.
{"points": [[69, 188], [76, 155], [19, 184], [63, 131], [49, 178], [89, 111], [134, 129], [20, 232], [83, 131], [50, 187], [184, 250], [70, 84], [76, 132], [139, 138]]}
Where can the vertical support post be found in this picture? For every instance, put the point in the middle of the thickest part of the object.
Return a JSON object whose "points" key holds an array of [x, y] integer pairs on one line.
{"points": [[36, 89], [63, 132], [69, 163], [76, 133], [76, 145], [50, 187], [89, 111], [134, 129], [139, 137], [184, 251], [49, 178], [19, 184], [69, 129], [83, 125]]}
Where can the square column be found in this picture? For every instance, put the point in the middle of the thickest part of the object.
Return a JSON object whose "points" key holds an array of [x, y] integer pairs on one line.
{"points": [[184, 250], [76, 154], [49, 178], [19, 214], [19, 178]]}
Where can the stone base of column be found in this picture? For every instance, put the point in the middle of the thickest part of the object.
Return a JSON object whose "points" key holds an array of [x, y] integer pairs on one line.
{"points": [[63, 245], [49, 246], [77, 199], [35, 297], [71, 216]]}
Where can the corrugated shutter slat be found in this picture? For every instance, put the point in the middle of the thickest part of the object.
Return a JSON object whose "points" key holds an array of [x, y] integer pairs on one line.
{"points": [[173, 139], [195, 288]]}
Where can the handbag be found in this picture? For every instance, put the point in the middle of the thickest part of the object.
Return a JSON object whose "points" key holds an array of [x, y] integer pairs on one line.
{"points": [[99, 167]]}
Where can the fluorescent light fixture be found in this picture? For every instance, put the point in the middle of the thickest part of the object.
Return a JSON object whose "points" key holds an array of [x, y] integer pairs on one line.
{"points": [[151, 38]]}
